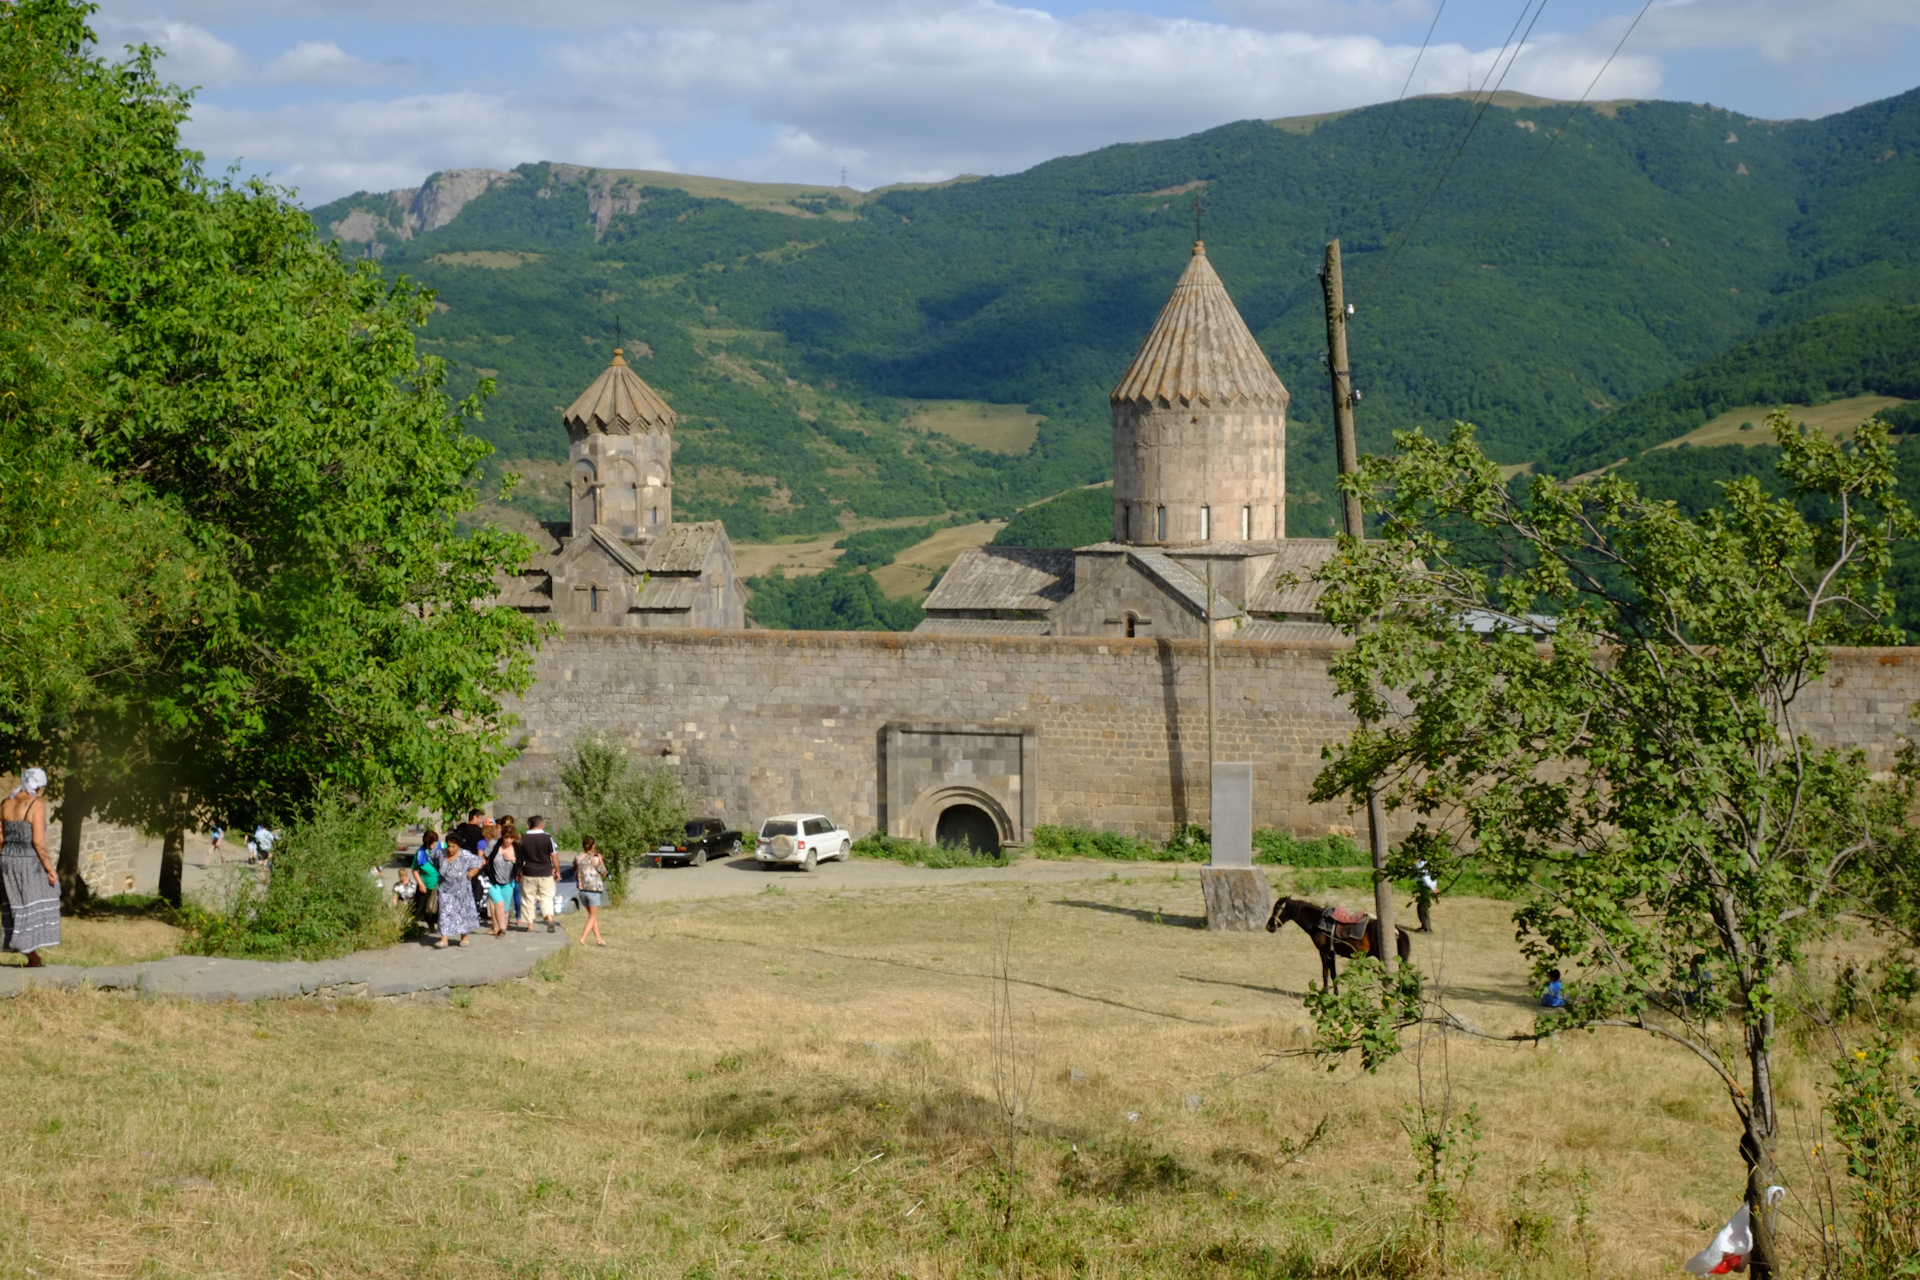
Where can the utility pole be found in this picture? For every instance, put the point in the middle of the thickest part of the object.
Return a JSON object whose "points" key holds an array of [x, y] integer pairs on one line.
{"points": [[1209, 684], [1344, 398]]}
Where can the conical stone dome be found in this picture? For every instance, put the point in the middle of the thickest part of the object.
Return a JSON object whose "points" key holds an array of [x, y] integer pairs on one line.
{"points": [[618, 403], [1199, 426], [1200, 352]]}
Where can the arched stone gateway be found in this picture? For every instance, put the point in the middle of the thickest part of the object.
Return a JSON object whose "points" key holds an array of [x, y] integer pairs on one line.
{"points": [[968, 826], [952, 781], [965, 814]]}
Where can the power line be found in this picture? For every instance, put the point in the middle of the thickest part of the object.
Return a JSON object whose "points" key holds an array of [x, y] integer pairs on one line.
{"points": [[1484, 103], [1474, 252], [1471, 100], [1386, 128]]}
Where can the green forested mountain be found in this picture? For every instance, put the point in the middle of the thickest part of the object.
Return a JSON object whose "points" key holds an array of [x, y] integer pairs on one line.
{"points": [[1651, 239], [1872, 351]]}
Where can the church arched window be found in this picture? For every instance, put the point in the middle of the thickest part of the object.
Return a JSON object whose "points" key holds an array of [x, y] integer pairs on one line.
{"points": [[1206, 524], [1246, 524], [1160, 522]]}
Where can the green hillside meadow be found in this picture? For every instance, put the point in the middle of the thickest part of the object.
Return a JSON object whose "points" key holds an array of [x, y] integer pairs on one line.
{"points": [[1662, 259]]}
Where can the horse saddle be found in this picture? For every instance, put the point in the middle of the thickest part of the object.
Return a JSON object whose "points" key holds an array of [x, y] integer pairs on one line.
{"points": [[1347, 925]]}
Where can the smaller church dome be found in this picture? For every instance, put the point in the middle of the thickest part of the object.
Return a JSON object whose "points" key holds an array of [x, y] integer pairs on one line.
{"points": [[618, 403], [1201, 352]]}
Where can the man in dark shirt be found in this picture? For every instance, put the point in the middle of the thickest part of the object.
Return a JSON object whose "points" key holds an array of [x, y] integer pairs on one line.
{"points": [[539, 868], [467, 834]]}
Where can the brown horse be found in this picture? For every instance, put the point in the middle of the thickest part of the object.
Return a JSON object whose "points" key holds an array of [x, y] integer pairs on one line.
{"points": [[1345, 933]]}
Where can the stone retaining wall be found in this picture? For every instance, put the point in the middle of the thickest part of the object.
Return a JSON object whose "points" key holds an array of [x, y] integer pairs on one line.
{"points": [[763, 722]]}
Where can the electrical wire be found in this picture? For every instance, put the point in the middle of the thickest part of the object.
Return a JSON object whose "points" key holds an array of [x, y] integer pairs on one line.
{"points": [[1374, 283], [1381, 141], [1473, 252]]}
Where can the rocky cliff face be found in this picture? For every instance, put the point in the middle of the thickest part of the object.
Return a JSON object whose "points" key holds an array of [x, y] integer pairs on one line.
{"points": [[402, 214], [607, 193]]}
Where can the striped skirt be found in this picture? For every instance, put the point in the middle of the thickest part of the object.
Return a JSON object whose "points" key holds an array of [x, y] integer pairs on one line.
{"points": [[29, 906]]}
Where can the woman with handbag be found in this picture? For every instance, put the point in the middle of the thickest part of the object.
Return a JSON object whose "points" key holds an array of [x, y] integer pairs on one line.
{"points": [[426, 880], [590, 875]]}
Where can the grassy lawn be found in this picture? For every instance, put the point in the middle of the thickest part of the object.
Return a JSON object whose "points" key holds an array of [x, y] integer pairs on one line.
{"points": [[802, 1085], [1002, 428], [123, 931]]}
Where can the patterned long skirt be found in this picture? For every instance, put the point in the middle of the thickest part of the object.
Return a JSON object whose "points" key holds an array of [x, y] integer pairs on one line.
{"points": [[458, 915], [29, 906]]}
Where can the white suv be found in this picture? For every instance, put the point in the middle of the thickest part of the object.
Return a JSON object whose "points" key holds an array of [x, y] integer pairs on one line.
{"points": [[801, 840]]}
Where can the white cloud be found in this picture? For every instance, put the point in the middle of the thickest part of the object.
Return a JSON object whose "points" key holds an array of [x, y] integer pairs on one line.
{"points": [[330, 148], [322, 62], [1780, 31], [194, 55], [918, 92], [893, 89], [1327, 15]]}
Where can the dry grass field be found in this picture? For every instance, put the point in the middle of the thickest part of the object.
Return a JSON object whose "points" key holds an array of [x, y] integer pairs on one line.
{"points": [[1836, 420], [801, 1085], [797, 557], [913, 570], [105, 939], [1001, 428]]}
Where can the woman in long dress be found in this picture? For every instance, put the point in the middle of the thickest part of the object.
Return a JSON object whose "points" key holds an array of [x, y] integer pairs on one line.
{"points": [[29, 880], [458, 915]]}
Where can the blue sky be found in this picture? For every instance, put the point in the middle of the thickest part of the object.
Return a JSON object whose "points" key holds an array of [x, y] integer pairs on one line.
{"points": [[333, 96]]}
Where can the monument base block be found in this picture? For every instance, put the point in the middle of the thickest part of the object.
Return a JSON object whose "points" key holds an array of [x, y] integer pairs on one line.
{"points": [[1237, 898]]}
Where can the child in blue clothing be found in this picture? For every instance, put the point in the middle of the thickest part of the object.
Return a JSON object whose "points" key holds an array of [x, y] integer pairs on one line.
{"points": [[1554, 998]]}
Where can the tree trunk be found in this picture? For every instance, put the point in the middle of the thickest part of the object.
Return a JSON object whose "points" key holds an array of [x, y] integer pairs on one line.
{"points": [[1757, 1145], [73, 817], [173, 861]]}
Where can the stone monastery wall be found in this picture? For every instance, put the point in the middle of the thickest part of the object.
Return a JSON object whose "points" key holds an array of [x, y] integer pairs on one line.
{"points": [[1103, 733]]}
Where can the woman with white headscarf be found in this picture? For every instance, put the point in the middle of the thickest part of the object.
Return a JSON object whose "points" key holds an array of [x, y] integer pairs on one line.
{"points": [[29, 881]]}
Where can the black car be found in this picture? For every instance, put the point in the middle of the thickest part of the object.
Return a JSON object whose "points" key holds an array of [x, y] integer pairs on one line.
{"points": [[705, 838]]}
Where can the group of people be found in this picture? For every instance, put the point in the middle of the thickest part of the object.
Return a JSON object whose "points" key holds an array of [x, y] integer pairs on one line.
{"points": [[492, 868], [259, 846]]}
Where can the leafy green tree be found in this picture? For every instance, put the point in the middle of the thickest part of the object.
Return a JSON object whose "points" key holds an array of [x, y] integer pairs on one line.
{"points": [[1076, 519], [837, 600], [1645, 781], [328, 629], [628, 810]]}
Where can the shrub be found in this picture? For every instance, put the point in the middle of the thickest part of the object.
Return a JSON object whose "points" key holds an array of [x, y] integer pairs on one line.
{"points": [[1277, 848], [317, 901], [627, 810], [913, 853], [1082, 842], [1874, 1106]]}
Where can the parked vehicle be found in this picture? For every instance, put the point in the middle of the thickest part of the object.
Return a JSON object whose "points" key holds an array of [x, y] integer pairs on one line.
{"points": [[801, 840], [705, 838]]}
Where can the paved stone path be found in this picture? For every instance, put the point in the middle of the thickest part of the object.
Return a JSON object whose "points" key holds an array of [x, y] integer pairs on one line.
{"points": [[410, 969], [417, 969]]}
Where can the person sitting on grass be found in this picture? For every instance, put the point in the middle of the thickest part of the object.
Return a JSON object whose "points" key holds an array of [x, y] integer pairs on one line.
{"points": [[458, 914], [1554, 998], [590, 874]]}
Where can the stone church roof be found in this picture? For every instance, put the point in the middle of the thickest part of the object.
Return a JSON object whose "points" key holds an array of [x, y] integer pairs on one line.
{"points": [[618, 403], [1021, 579], [1201, 352]]}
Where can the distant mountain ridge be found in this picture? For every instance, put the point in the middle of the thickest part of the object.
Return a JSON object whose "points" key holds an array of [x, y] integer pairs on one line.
{"points": [[1650, 238]]}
